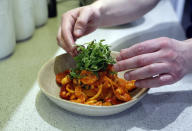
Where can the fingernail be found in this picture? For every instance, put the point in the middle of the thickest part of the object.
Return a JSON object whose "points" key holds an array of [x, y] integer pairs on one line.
{"points": [[70, 53], [75, 53], [166, 78], [116, 67], [136, 84], [126, 76], [118, 58], [78, 32]]}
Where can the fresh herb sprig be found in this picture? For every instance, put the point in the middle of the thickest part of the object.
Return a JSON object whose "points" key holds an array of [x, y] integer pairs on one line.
{"points": [[95, 57]]}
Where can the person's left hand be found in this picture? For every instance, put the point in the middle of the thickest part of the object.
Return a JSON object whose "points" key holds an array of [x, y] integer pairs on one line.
{"points": [[158, 62]]}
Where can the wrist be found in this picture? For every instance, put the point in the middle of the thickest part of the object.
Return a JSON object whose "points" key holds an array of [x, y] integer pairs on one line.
{"points": [[188, 54]]}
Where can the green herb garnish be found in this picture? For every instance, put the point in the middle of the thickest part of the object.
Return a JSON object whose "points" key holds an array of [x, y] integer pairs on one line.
{"points": [[74, 74], [113, 72], [95, 57]]}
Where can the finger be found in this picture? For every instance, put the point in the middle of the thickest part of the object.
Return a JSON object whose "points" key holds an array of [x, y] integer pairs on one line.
{"points": [[164, 79], [82, 22], [67, 37], [67, 24], [138, 61], [59, 37], [60, 41], [148, 71], [75, 52], [148, 46], [89, 30]]}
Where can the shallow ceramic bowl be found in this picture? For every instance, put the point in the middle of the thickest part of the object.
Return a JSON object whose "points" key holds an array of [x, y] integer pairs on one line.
{"points": [[48, 85]]}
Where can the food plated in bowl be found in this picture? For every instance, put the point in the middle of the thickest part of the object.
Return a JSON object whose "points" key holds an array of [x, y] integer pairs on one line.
{"points": [[102, 89], [88, 93]]}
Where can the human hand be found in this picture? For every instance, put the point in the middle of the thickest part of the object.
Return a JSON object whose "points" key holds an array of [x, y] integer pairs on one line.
{"points": [[158, 62], [76, 23]]}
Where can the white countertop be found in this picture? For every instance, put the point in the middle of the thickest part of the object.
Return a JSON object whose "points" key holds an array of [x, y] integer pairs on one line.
{"points": [[167, 108]]}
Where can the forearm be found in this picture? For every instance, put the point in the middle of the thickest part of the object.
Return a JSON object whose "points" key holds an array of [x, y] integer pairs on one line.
{"points": [[114, 12]]}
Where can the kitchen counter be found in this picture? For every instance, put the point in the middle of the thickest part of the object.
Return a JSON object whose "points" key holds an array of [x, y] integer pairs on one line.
{"points": [[23, 107]]}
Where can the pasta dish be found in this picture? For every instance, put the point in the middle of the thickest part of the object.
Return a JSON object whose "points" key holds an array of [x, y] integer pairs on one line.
{"points": [[94, 86]]}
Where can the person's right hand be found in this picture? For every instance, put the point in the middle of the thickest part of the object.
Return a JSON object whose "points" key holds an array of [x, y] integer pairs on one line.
{"points": [[76, 23]]}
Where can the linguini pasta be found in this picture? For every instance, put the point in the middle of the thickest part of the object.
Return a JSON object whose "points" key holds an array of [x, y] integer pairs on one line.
{"points": [[103, 88]]}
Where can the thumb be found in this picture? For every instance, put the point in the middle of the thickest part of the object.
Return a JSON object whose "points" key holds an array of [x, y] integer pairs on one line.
{"points": [[78, 32], [82, 22]]}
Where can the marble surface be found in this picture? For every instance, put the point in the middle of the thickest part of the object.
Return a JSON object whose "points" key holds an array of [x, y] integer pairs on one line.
{"points": [[24, 108]]}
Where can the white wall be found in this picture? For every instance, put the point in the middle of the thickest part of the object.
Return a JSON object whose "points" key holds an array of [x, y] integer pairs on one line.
{"points": [[178, 5]]}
